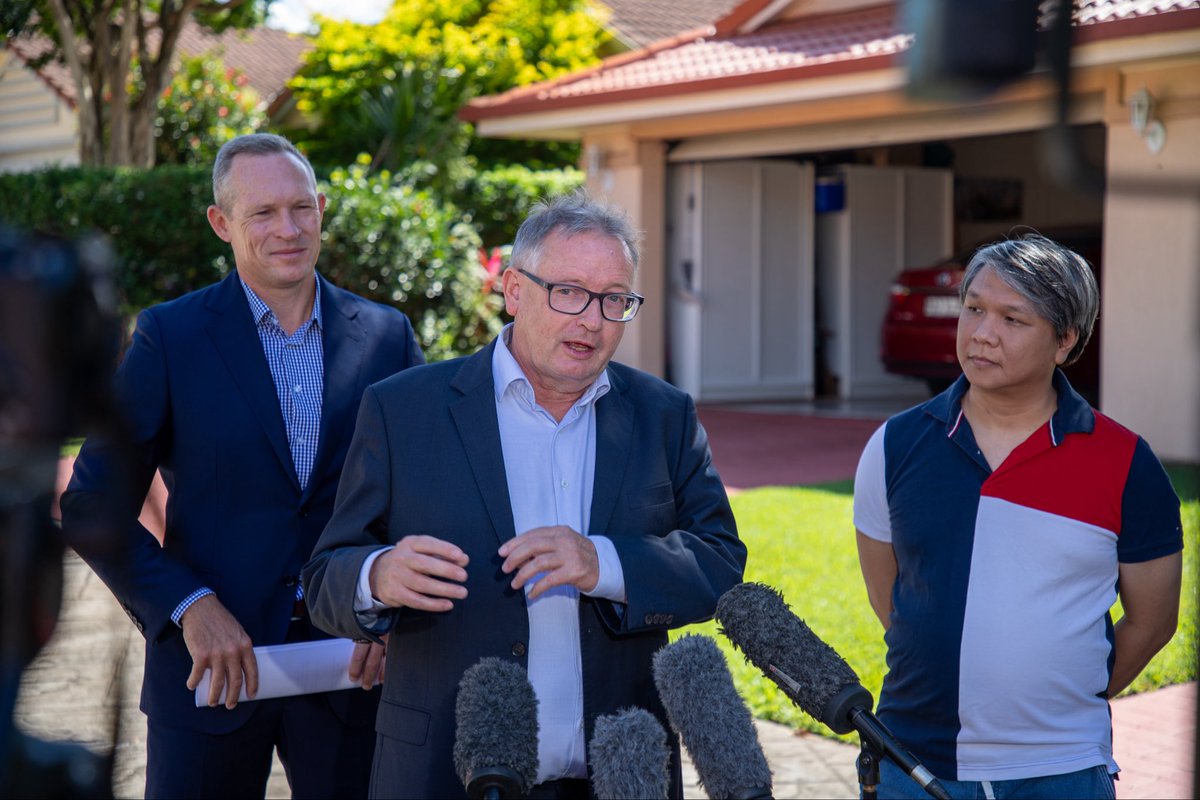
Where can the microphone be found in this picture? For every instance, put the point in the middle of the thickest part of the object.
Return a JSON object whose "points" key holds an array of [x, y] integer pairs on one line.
{"points": [[710, 717], [629, 756], [756, 619], [496, 731]]}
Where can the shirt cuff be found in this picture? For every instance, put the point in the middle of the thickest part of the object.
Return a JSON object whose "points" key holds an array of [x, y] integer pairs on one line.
{"points": [[365, 605], [611, 585], [177, 614]]}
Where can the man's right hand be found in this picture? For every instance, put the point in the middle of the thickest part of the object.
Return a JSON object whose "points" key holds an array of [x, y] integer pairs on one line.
{"points": [[420, 572], [217, 642]]}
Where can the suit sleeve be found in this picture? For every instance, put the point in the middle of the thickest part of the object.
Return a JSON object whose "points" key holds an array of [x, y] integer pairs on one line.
{"points": [[676, 579], [357, 528], [111, 477], [416, 356]]}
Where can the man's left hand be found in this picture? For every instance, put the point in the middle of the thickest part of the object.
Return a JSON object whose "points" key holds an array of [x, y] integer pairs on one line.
{"points": [[565, 557], [367, 663]]}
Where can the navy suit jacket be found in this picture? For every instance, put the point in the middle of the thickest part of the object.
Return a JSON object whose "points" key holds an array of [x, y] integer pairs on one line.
{"points": [[200, 403], [426, 459]]}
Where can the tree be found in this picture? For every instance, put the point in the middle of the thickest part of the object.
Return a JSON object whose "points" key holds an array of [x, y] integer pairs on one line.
{"points": [[487, 46], [120, 56], [205, 106]]}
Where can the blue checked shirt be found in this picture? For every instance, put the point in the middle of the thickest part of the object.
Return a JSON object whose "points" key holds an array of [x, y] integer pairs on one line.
{"points": [[297, 364]]}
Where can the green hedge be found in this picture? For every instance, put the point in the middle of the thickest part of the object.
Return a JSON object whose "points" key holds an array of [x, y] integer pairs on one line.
{"points": [[154, 218], [383, 239], [501, 198]]}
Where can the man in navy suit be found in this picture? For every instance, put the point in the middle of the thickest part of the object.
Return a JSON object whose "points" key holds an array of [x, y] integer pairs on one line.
{"points": [[533, 502], [242, 395]]}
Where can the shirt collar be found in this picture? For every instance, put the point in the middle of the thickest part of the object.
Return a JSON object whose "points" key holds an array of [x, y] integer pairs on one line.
{"points": [[1073, 414], [506, 373], [260, 310]]}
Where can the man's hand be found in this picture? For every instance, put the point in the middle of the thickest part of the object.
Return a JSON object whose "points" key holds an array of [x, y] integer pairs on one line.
{"points": [[216, 641], [367, 663], [420, 572], [567, 558]]}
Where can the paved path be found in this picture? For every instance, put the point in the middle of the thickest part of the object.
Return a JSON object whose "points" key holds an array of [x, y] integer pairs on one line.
{"points": [[92, 668]]}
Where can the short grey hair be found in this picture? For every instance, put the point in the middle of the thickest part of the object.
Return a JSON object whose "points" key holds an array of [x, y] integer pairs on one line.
{"points": [[250, 144], [1056, 280], [572, 214]]}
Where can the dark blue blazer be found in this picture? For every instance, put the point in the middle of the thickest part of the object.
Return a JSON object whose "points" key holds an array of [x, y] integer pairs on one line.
{"points": [[426, 459], [201, 406]]}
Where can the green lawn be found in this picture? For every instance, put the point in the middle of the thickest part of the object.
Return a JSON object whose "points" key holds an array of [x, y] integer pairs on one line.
{"points": [[801, 541]]}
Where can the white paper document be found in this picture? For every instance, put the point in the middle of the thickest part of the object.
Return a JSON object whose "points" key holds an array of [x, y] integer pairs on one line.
{"points": [[290, 669]]}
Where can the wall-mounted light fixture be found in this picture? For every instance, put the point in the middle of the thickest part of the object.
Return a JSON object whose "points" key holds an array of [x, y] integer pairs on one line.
{"points": [[1141, 118]]}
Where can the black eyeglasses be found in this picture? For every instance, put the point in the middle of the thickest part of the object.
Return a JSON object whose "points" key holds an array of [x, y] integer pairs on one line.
{"points": [[567, 298]]}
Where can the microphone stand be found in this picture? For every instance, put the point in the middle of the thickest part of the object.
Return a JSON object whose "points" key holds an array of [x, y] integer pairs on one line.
{"points": [[880, 738], [868, 770]]}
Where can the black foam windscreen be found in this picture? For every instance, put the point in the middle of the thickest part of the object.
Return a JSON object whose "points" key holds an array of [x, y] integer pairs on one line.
{"points": [[704, 708], [628, 756], [496, 736], [756, 619]]}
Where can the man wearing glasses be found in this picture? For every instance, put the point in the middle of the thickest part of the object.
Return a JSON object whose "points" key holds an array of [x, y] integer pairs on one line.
{"points": [[533, 502]]}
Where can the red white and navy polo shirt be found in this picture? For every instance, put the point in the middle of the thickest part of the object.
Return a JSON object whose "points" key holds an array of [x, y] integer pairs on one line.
{"points": [[1001, 644]]}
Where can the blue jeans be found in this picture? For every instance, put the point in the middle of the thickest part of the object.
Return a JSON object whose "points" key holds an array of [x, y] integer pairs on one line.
{"points": [[1086, 784]]}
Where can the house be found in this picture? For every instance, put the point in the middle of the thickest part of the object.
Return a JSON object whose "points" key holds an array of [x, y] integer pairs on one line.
{"points": [[37, 107], [635, 24], [784, 170]]}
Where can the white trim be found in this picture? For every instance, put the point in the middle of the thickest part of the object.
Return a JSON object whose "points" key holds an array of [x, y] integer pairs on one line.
{"points": [[1156, 46], [944, 124], [569, 121], [756, 22]]}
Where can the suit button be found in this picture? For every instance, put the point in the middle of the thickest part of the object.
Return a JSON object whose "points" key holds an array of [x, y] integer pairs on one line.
{"points": [[289, 581], [303, 511], [518, 649]]}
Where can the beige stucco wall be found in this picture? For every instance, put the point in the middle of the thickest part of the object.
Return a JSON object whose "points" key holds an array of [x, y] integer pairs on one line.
{"points": [[632, 175], [1150, 297]]}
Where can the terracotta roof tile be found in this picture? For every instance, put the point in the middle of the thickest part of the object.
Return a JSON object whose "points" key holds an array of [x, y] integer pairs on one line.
{"points": [[1090, 12], [700, 57], [640, 22], [831, 43]]}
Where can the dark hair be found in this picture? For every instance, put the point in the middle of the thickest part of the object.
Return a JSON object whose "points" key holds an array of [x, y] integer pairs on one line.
{"points": [[254, 144], [571, 214], [1055, 279]]}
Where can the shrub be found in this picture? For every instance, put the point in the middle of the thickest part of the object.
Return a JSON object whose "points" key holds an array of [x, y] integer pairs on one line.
{"points": [[154, 218], [205, 106], [499, 199], [396, 244], [390, 243]]}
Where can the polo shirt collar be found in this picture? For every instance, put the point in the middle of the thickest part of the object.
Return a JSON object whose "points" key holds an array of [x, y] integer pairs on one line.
{"points": [[1073, 414]]}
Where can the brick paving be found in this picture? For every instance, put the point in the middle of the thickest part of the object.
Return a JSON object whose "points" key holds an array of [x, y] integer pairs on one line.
{"points": [[92, 667]]}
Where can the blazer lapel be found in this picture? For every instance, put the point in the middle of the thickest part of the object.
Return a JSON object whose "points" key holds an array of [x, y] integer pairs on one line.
{"points": [[343, 340], [474, 415], [614, 445], [231, 328]]}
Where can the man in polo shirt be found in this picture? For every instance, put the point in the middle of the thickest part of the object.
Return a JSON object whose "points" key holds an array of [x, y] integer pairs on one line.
{"points": [[997, 524]]}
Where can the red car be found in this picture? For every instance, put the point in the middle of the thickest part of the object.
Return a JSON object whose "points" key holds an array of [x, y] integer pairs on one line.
{"points": [[922, 319]]}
